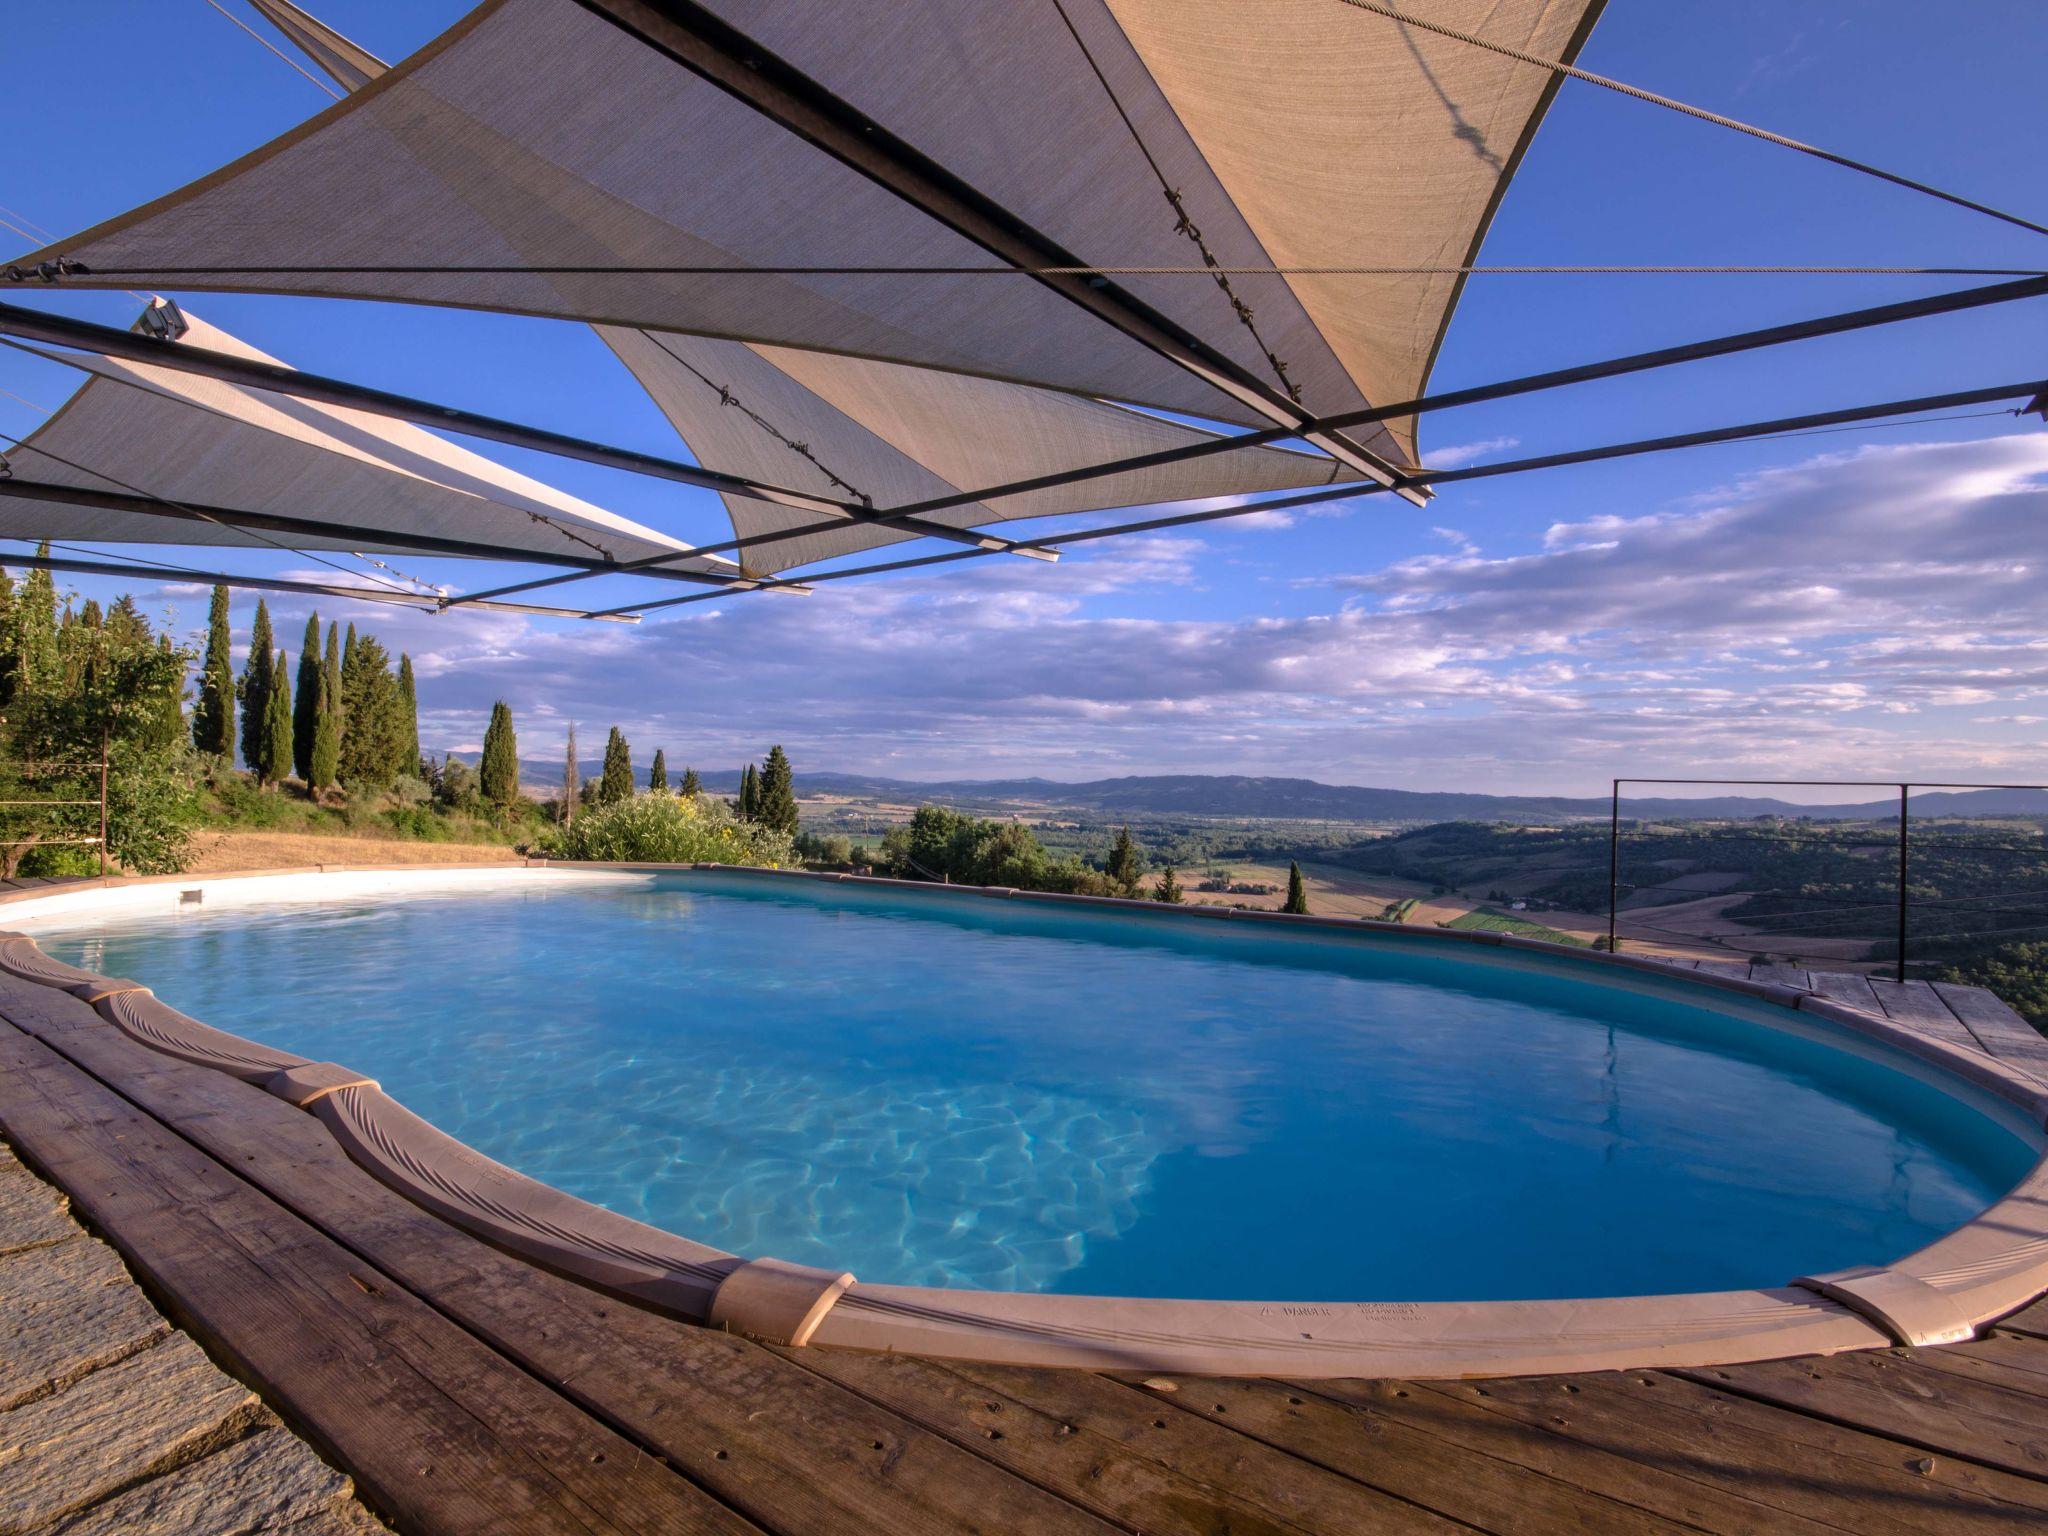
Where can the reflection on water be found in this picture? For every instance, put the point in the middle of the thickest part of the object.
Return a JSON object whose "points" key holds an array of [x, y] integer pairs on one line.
{"points": [[943, 1093]]}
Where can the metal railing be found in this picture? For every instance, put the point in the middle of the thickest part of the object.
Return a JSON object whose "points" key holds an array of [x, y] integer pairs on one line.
{"points": [[1845, 917]]}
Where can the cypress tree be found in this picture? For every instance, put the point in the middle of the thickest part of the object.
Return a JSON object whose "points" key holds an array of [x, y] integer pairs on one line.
{"points": [[330, 700], [1125, 864], [499, 770], [89, 616], [255, 691], [341, 698], [775, 793], [323, 763], [274, 761], [617, 783], [1297, 892], [572, 779], [213, 717], [373, 743], [306, 707], [657, 776], [690, 784], [1168, 888], [750, 798], [408, 719]]}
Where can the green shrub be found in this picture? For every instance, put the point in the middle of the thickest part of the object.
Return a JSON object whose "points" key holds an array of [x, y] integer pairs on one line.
{"points": [[668, 829]]}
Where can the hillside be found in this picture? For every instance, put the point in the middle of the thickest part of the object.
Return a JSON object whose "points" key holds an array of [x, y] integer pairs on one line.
{"points": [[1233, 795]]}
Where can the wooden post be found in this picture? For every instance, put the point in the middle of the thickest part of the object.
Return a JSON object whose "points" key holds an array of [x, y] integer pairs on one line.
{"points": [[103, 800]]}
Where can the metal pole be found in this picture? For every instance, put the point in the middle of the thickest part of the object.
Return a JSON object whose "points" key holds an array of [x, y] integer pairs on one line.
{"points": [[1901, 972], [103, 800], [1613, 863]]}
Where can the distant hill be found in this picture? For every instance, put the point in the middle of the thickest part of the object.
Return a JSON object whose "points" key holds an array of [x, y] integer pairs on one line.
{"points": [[1277, 799]]}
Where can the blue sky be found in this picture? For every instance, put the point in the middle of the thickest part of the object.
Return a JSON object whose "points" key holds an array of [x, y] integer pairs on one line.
{"points": [[1863, 604]]}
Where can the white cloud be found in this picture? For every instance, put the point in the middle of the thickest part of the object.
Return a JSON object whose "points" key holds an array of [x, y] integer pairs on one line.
{"points": [[1858, 615]]}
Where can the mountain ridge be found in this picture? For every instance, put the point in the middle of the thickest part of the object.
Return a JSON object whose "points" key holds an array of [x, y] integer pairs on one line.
{"points": [[1273, 798]]}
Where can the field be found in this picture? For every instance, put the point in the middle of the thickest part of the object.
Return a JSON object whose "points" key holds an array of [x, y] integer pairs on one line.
{"points": [[221, 852]]}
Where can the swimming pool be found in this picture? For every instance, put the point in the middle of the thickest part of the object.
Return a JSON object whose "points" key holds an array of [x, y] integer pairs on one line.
{"points": [[1073, 1101]]}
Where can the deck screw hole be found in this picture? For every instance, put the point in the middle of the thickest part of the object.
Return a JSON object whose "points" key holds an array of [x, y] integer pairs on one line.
{"points": [[874, 1445], [597, 1460], [1159, 1423], [718, 1455], [1295, 1401]]}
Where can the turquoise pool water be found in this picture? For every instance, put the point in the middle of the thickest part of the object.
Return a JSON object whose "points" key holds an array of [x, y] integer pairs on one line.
{"points": [[948, 1092]]}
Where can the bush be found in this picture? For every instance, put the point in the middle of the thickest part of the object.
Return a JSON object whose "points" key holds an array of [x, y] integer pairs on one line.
{"points": [[668, 829]]}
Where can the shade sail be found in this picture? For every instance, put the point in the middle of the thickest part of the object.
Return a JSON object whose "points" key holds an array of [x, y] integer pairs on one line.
{"points": [[535, 133], [852, 427], [136, 428]]}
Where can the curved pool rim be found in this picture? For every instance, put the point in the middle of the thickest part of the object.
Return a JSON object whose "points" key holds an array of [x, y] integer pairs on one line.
{"points": [[1942, 1293]]}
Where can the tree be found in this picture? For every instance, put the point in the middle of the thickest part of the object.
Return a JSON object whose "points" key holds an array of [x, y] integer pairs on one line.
{"points": [[35, 630], [255, 691], [750, 794], [110, 690], [657, 775], [306, 708], [572, 779], [323, 766], [776, 794], [1125, 865], [500, 768], [617, 783], [213, 718], [1297, 892], [373, 746], [1168, 888], [408, 719], [690, 785], [274, 760]]}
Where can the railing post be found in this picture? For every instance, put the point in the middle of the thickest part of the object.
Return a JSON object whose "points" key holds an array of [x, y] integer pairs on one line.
{"points": [[103, 800], [1613, 863], [1903, 790]]}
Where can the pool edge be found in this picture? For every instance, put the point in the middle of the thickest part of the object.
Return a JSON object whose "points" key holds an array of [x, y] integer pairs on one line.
{"points": [[1945, 1291]]}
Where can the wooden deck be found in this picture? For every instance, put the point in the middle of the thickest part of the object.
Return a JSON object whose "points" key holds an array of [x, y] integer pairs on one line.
{"points": [[468, 1392]]}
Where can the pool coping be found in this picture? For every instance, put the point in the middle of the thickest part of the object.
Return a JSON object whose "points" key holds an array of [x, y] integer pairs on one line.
{"points": [[1942, 1293]]}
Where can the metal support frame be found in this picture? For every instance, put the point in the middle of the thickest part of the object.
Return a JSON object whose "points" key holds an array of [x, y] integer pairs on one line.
{"points": [[1527, 384], [727, 58], [60, 330], [173, 573], [200, 512], [1448, 476]]}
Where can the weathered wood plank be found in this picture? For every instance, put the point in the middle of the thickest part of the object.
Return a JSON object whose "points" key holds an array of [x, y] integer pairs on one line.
{"points": [[1735, 969], [1148, 1493], [62, 1452], [1273, 1480], [1897, 1397], [791, 1451], [1396, 1457], [1726, 1463], [2001, 1031], [1846, 987], [66, 1309], [442, 1434], [1918, 1004]]}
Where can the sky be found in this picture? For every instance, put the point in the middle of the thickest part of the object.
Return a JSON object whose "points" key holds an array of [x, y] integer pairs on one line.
{"points": [[1859, 604]]}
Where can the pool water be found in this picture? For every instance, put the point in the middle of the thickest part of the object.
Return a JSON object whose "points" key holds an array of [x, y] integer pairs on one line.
{"points": [[950, 1092]]}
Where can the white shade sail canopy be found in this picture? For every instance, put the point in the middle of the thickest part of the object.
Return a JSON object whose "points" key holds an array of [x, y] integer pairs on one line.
{"points": [[137, 429], [894, 435], [537, 134]]}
